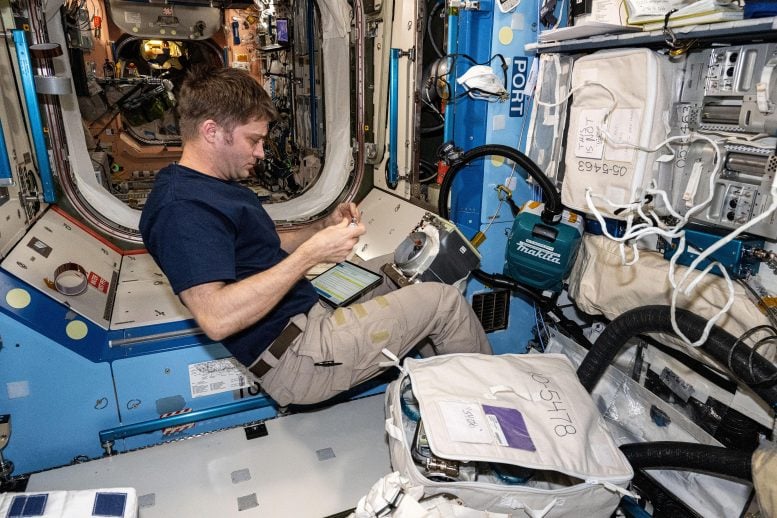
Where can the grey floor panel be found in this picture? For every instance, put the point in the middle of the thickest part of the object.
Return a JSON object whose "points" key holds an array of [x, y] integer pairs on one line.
{"points": [[309, 465]]}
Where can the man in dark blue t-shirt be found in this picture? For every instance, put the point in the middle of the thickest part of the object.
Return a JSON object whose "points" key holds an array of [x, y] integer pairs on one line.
{"points": [[245, 283]]}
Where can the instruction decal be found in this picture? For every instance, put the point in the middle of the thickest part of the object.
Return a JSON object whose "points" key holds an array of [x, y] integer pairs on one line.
{"points": [[216, 376]]}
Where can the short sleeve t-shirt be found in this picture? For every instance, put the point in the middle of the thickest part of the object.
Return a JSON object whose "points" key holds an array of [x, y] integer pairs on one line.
{"points": [[201, 229]]}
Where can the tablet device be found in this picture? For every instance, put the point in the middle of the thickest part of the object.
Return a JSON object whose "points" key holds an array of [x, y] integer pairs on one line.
{"points": [[345, 282]]}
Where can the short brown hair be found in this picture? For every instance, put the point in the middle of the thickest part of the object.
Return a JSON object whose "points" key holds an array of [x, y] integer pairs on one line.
{"points": [[229, 96]]}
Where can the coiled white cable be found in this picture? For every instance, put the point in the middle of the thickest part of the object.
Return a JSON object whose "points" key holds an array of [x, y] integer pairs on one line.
{"points": [[702, 257], [651, 226]]}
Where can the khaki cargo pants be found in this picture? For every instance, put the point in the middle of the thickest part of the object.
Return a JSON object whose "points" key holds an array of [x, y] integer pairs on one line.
{"points": [[350, 340]]}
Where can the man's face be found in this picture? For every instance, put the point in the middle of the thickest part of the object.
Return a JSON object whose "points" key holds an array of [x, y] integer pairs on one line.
{"points": [[239, 151]]}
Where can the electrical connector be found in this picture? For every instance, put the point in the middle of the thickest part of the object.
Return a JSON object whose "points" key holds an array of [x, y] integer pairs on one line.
{"points": [[467, 5]]}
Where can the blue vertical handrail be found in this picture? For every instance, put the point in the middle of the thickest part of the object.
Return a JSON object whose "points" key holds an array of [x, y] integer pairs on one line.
{"points": [[392, 170], [33, 114], [6, 177]]}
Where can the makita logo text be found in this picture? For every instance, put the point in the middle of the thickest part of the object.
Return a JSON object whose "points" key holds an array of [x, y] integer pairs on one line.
{"points": [[517, 84], [539, 251]]}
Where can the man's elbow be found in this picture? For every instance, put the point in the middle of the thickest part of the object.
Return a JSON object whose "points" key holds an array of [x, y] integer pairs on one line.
{"points": [[213, 329]]}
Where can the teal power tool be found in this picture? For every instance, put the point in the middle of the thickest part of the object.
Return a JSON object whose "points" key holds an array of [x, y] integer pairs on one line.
{"points": [[538, 254]]}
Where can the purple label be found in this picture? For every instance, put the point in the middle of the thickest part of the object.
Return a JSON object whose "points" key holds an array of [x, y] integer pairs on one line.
{"points": [[509, 426]]}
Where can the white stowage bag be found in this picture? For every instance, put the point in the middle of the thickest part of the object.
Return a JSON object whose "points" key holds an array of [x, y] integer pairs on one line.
{"points": [[395, 496], [600, 285], [621, 101], [495, 412]]}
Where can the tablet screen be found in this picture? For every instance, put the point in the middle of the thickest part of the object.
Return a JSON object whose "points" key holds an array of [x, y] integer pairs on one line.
{"points": [[345, 282]]}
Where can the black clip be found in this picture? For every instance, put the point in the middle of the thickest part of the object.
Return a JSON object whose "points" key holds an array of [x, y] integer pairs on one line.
{"points": [[327, 363], [648, 201], [669, 36]]}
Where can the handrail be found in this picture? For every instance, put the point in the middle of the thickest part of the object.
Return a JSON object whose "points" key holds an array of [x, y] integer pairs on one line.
{"points": [[392, 170], [6, 176], [33, 114], [107, 437]]}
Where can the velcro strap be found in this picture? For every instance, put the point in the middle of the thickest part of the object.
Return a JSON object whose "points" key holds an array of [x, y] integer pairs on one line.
{"points": [[277, 348]]}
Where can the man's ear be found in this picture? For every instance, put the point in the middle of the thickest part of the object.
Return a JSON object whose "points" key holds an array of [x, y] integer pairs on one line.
{"points": [[208, 129]]}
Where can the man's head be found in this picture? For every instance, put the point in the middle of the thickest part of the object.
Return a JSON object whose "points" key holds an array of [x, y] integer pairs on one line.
{"points": [[224, 117], [228, 96]]}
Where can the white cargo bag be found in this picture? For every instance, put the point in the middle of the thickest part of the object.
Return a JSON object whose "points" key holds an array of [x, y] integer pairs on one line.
{"points": [[508, 410], [621, 100]]}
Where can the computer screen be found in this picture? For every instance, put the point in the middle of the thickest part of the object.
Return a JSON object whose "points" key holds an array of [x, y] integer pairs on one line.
{"points": [[282, 31], [345, 282]]}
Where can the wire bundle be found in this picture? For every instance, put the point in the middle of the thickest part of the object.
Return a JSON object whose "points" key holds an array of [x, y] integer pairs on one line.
{"points": [[642, 220]]}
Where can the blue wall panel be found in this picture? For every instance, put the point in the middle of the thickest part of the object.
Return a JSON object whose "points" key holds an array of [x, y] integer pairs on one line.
{"points": [[57, 399], [474, 201], [152, 384]]}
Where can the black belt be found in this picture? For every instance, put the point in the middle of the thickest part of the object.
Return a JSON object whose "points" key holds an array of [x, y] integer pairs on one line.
{"points": [[277, 348]]}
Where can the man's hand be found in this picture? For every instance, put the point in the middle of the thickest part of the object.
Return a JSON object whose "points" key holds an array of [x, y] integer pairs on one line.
{"points": [[343, 211], [291, 240], [334, 243]]}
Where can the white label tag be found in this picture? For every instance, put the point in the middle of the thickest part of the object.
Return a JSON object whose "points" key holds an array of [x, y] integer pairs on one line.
{"points": [[465, 422], [216, 376], [133, 18], [589, 143], [623, 126]]}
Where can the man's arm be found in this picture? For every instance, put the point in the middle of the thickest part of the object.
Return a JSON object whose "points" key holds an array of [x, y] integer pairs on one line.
{"points": [[223, 309], [291, 239]]}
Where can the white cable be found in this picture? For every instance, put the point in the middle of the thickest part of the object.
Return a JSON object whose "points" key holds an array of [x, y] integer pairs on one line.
{"points": [[738, 136], [644, 229], [665, 198], [749, 143], [640, 230], [575, 89], [673, 309], [676, 231], [635, 232], [703, 256]]}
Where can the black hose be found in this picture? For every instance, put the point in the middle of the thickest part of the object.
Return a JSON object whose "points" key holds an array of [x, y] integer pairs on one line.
{"points": [[429, 170], [428, 130], [437, 6], [715, 460], [553, 208], [498, 280], [746, 365], [547, 305]]}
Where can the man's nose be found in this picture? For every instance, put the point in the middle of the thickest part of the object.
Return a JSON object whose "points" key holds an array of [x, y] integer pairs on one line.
{"points": [[259, 151]]}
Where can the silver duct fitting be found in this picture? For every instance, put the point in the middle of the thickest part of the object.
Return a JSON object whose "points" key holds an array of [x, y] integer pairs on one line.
{"points": [[436, 251], [53, 85]]}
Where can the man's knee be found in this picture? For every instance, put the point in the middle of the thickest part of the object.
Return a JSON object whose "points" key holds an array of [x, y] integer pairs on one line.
{"points": [[451, 294], [438, 294]]}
